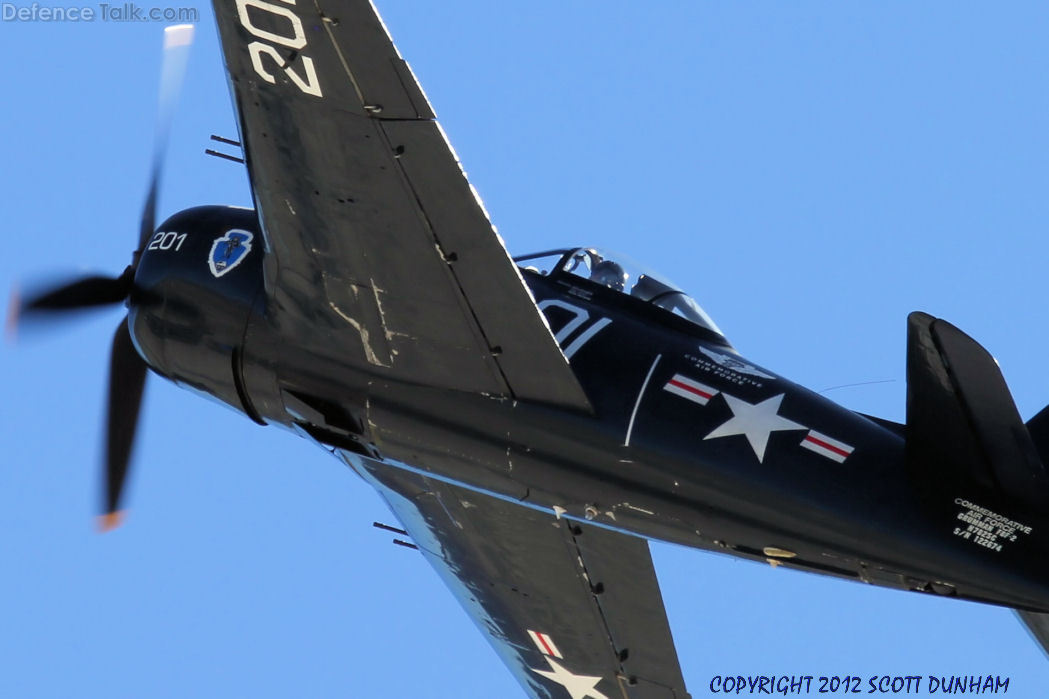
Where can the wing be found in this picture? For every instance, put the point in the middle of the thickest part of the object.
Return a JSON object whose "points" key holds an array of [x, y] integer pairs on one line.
{"points": [[378, 246], [572, 609]]}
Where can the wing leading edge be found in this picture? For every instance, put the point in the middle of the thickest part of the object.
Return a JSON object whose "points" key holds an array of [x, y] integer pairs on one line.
{"points": [[572, 609], [378, 245]]}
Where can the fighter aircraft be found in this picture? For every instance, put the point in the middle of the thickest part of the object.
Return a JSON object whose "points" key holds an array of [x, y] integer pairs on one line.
{"points": [[686, 380]]}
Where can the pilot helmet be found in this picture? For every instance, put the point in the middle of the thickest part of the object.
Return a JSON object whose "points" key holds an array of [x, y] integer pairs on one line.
{"points": [[610, 274]]}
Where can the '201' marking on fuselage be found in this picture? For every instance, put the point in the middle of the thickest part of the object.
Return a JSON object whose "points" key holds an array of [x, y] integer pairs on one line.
{"points": [[307, 82], [166, 240]]}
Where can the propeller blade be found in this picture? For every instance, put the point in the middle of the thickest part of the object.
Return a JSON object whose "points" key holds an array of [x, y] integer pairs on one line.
{"points": [[87, 292], [14, 311], [127, 376], [177, 41]]}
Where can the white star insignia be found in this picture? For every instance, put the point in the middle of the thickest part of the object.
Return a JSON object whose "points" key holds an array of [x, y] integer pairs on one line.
{"points": [[579, 686], [755, 421]]}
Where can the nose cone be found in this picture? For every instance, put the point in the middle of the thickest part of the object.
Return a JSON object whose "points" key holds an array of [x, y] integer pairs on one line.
{"points": [[196, 287]]}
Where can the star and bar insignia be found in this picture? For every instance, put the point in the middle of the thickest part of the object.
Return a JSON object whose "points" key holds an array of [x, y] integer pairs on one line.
{"points": [[756, 421], [577, 686]]}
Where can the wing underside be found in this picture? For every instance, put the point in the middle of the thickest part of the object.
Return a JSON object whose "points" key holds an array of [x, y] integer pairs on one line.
{"points": [[572, 609], [378, 245]]}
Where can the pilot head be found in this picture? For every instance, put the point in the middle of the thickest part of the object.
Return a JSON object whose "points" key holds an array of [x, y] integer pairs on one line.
{"points": [[610, 274]]}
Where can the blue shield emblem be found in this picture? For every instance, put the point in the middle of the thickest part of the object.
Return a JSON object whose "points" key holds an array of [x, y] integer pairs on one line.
{"points": [[229, 251]]}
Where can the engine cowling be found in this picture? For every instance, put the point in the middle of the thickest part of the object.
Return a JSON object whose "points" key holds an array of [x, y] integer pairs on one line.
{"points": [[197, 286]]}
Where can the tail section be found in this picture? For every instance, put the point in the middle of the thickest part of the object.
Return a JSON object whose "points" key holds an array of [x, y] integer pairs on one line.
{"points": [[1038, 626], [963, 428]]}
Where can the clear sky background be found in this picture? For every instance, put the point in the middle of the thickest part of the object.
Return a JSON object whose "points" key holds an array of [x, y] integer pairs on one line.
{"points": [[810, 171]]}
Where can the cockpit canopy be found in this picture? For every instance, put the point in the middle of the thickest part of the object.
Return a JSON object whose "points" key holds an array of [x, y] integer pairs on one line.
{"points": [[619, 273]]}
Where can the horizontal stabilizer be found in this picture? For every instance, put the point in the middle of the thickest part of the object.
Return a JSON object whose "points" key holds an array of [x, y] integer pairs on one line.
{"points": [[1038, 428], [963, 428], [1038, 626]]}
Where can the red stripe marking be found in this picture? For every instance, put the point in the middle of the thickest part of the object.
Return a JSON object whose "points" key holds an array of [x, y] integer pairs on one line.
{"points": [[542, 639], [828, 447], [690, 389]]}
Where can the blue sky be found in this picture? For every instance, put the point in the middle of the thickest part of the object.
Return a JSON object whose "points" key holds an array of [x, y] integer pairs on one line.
{"points": [[811, 172]]}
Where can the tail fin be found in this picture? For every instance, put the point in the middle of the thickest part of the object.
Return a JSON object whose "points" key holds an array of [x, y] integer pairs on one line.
{"points": [[962, 424]]}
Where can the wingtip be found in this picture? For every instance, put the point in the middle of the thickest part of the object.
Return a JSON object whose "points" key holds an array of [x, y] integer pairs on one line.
{"points": [[109, 521]]}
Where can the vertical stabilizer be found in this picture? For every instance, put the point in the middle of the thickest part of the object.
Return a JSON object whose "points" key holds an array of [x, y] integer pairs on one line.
{"points": [[963, 428]]}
